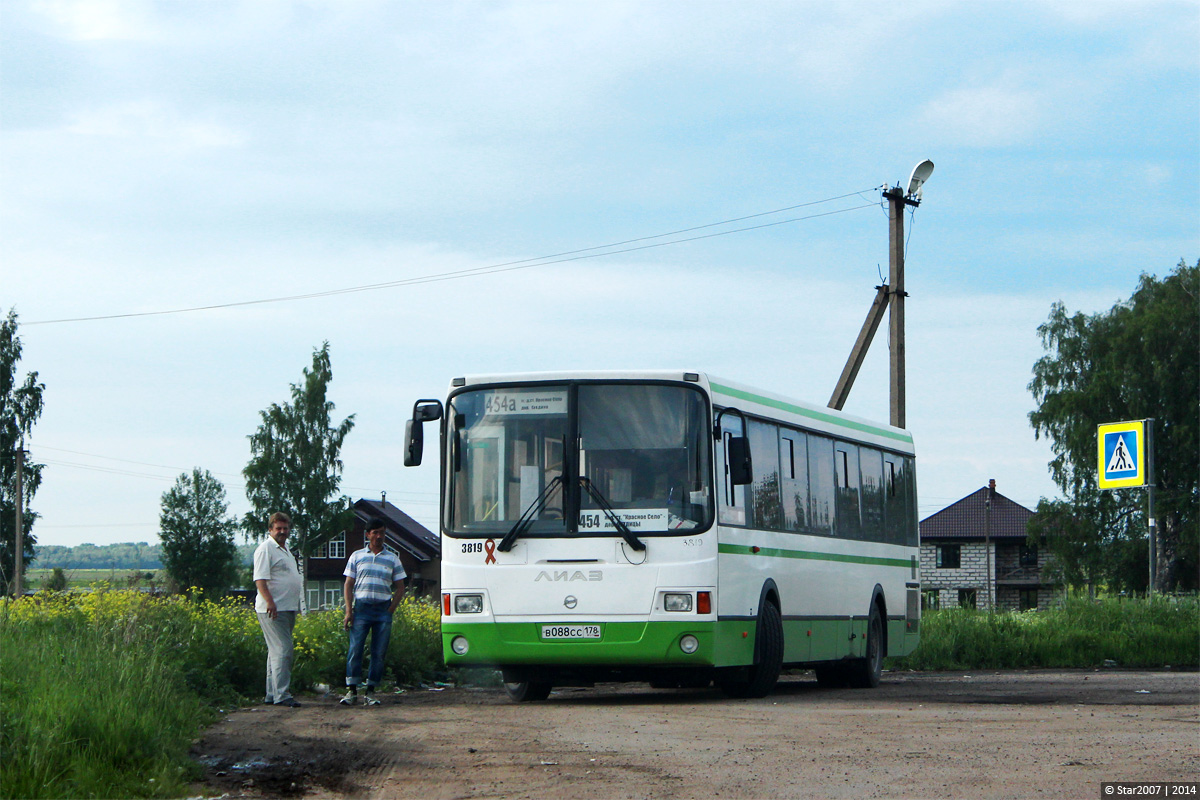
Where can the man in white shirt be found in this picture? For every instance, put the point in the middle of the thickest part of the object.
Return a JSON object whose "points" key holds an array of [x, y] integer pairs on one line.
{"points": [[277, 578], [373, 590]]}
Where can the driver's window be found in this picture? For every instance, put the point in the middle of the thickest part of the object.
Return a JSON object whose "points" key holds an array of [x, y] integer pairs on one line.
{"points": [[731, 499]]}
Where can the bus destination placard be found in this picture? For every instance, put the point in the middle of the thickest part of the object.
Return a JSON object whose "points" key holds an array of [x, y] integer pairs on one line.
{"points": [[504, 403]]}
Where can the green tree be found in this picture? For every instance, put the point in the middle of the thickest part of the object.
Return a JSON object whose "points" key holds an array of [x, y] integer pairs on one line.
{"points": [[296, 466], [20, 407], [1141, 359], [197, 533]]}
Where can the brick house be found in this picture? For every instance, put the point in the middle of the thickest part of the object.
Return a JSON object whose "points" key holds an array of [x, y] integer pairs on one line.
{"points": [[955, 546], [419, 550]]}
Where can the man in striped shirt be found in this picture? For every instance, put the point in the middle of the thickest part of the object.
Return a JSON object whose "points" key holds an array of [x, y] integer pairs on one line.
{"points": [[373, 589]]}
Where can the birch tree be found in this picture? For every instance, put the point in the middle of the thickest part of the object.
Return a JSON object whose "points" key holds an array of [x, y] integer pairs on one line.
{"points": [[296, 466]]}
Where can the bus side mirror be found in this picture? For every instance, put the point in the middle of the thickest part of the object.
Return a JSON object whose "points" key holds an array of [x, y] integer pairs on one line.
{"points": [[741, 471], [414, 434]]}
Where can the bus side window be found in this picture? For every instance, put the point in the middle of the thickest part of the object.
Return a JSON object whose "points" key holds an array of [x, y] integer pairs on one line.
{"points": [[764, 503], [898, 499], [793, 461], [822, 485], [871, 467], [849, 523]]}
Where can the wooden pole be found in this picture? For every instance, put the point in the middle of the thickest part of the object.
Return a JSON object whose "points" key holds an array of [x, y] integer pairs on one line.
{"points": [[19, 531], [896, 206], [874, 316]]}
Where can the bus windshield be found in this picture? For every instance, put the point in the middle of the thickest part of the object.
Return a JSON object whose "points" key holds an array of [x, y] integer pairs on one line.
{"points": [[641, 449]]}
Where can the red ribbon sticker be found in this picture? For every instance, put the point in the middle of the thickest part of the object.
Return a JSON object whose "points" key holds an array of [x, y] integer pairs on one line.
{"points": [[490, 547]]}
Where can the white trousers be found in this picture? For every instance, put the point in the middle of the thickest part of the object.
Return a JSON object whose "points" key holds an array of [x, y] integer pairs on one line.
{"points": [[280, 650]]}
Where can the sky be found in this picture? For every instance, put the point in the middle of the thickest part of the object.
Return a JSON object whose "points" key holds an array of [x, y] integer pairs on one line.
{"points": [[157, 157]]}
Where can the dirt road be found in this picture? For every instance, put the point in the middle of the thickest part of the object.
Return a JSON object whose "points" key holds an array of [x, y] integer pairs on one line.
{"points": [[919, 735]]}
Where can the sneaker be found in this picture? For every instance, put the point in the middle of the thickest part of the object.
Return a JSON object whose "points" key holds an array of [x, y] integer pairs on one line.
{"points": [[350, 699], [370, 700], [291, 702]]}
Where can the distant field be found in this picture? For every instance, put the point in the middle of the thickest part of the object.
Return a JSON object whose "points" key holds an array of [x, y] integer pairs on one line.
{"points": [[80, 578]]}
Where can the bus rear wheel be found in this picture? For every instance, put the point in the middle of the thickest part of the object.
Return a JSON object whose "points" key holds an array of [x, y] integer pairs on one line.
{"points": [[867, 671], [759, 679]]}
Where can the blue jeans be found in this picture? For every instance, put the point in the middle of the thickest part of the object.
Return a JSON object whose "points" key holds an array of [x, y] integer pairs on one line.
{"points": [[373, 617]]}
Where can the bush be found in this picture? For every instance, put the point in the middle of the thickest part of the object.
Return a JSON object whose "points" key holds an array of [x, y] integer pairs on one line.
{"points": [[414, 652]]}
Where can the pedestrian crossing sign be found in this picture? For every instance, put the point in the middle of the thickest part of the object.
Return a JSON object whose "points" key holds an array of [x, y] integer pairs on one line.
{"points": [[1122, 451]]}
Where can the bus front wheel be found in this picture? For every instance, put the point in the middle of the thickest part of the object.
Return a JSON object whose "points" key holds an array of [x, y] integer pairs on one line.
{"points": [[527, 691], [759, 679]]}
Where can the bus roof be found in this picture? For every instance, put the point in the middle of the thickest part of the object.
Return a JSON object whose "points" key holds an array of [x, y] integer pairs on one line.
{"points": [[726, 393]]}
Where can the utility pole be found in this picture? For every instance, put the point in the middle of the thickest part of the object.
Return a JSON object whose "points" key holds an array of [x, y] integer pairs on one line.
{"points": [[987, 540], [890, 296], [859, 353], [896, 204], [1151, 522], [19, 530]]}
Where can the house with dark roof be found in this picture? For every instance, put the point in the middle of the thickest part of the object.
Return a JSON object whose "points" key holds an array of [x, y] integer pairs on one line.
{"points": [[975, 553], [418, 548]]}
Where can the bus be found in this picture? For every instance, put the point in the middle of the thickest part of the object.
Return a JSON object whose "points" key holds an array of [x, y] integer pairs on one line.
{"points": [[670, 527]]}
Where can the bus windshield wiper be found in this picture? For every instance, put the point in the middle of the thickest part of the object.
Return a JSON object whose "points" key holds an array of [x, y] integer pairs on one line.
{"points": [[521, 525], [611, 515]]}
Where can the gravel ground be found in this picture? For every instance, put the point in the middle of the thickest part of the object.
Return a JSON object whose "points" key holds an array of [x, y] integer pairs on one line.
{"points": [[1011, 734]]}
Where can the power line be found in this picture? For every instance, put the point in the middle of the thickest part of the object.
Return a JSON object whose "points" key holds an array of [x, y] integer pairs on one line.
{"points": [[508, 266], [408, 496], [109, 470]]}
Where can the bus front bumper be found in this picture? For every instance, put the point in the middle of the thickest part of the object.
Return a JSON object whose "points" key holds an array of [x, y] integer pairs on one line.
{"points": [[619, 644]]}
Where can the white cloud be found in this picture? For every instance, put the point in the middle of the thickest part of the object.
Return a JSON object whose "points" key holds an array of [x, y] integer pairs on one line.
{"points": [[147, 120], [988, 116], [96, 20]]}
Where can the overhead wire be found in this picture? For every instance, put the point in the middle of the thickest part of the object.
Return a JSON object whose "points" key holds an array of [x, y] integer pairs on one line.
{"points": [[508, 266], [409, 496]]}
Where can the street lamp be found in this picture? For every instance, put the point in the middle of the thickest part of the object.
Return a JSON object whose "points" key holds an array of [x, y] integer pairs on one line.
{"points": [[891, 297]]}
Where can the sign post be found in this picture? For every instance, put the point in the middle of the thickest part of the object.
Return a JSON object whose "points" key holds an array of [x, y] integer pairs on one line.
{"points": [[1125, 453]]}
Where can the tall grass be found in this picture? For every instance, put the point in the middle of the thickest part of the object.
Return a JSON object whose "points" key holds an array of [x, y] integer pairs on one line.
{"points": [[1080, 633], [86, 712], [101, 693]]}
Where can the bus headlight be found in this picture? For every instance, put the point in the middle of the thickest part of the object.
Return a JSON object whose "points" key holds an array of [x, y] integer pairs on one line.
{"points": [[459, 645], [689, 644], [468, 603], [677, 601]]}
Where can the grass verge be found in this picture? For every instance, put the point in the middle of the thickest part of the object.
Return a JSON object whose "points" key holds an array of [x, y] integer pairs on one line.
{"points": [[101, 693], [1135, 633]]}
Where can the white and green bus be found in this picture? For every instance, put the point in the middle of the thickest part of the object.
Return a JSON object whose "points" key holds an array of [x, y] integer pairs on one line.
{"points": [[669, 527]]}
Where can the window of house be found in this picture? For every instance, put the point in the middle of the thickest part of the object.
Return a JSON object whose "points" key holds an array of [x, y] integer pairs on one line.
{"points": [[1027, 599], [1029, 555], [949, 556], [333, 595], [967, 598], [930, 599], [334, 548]]}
